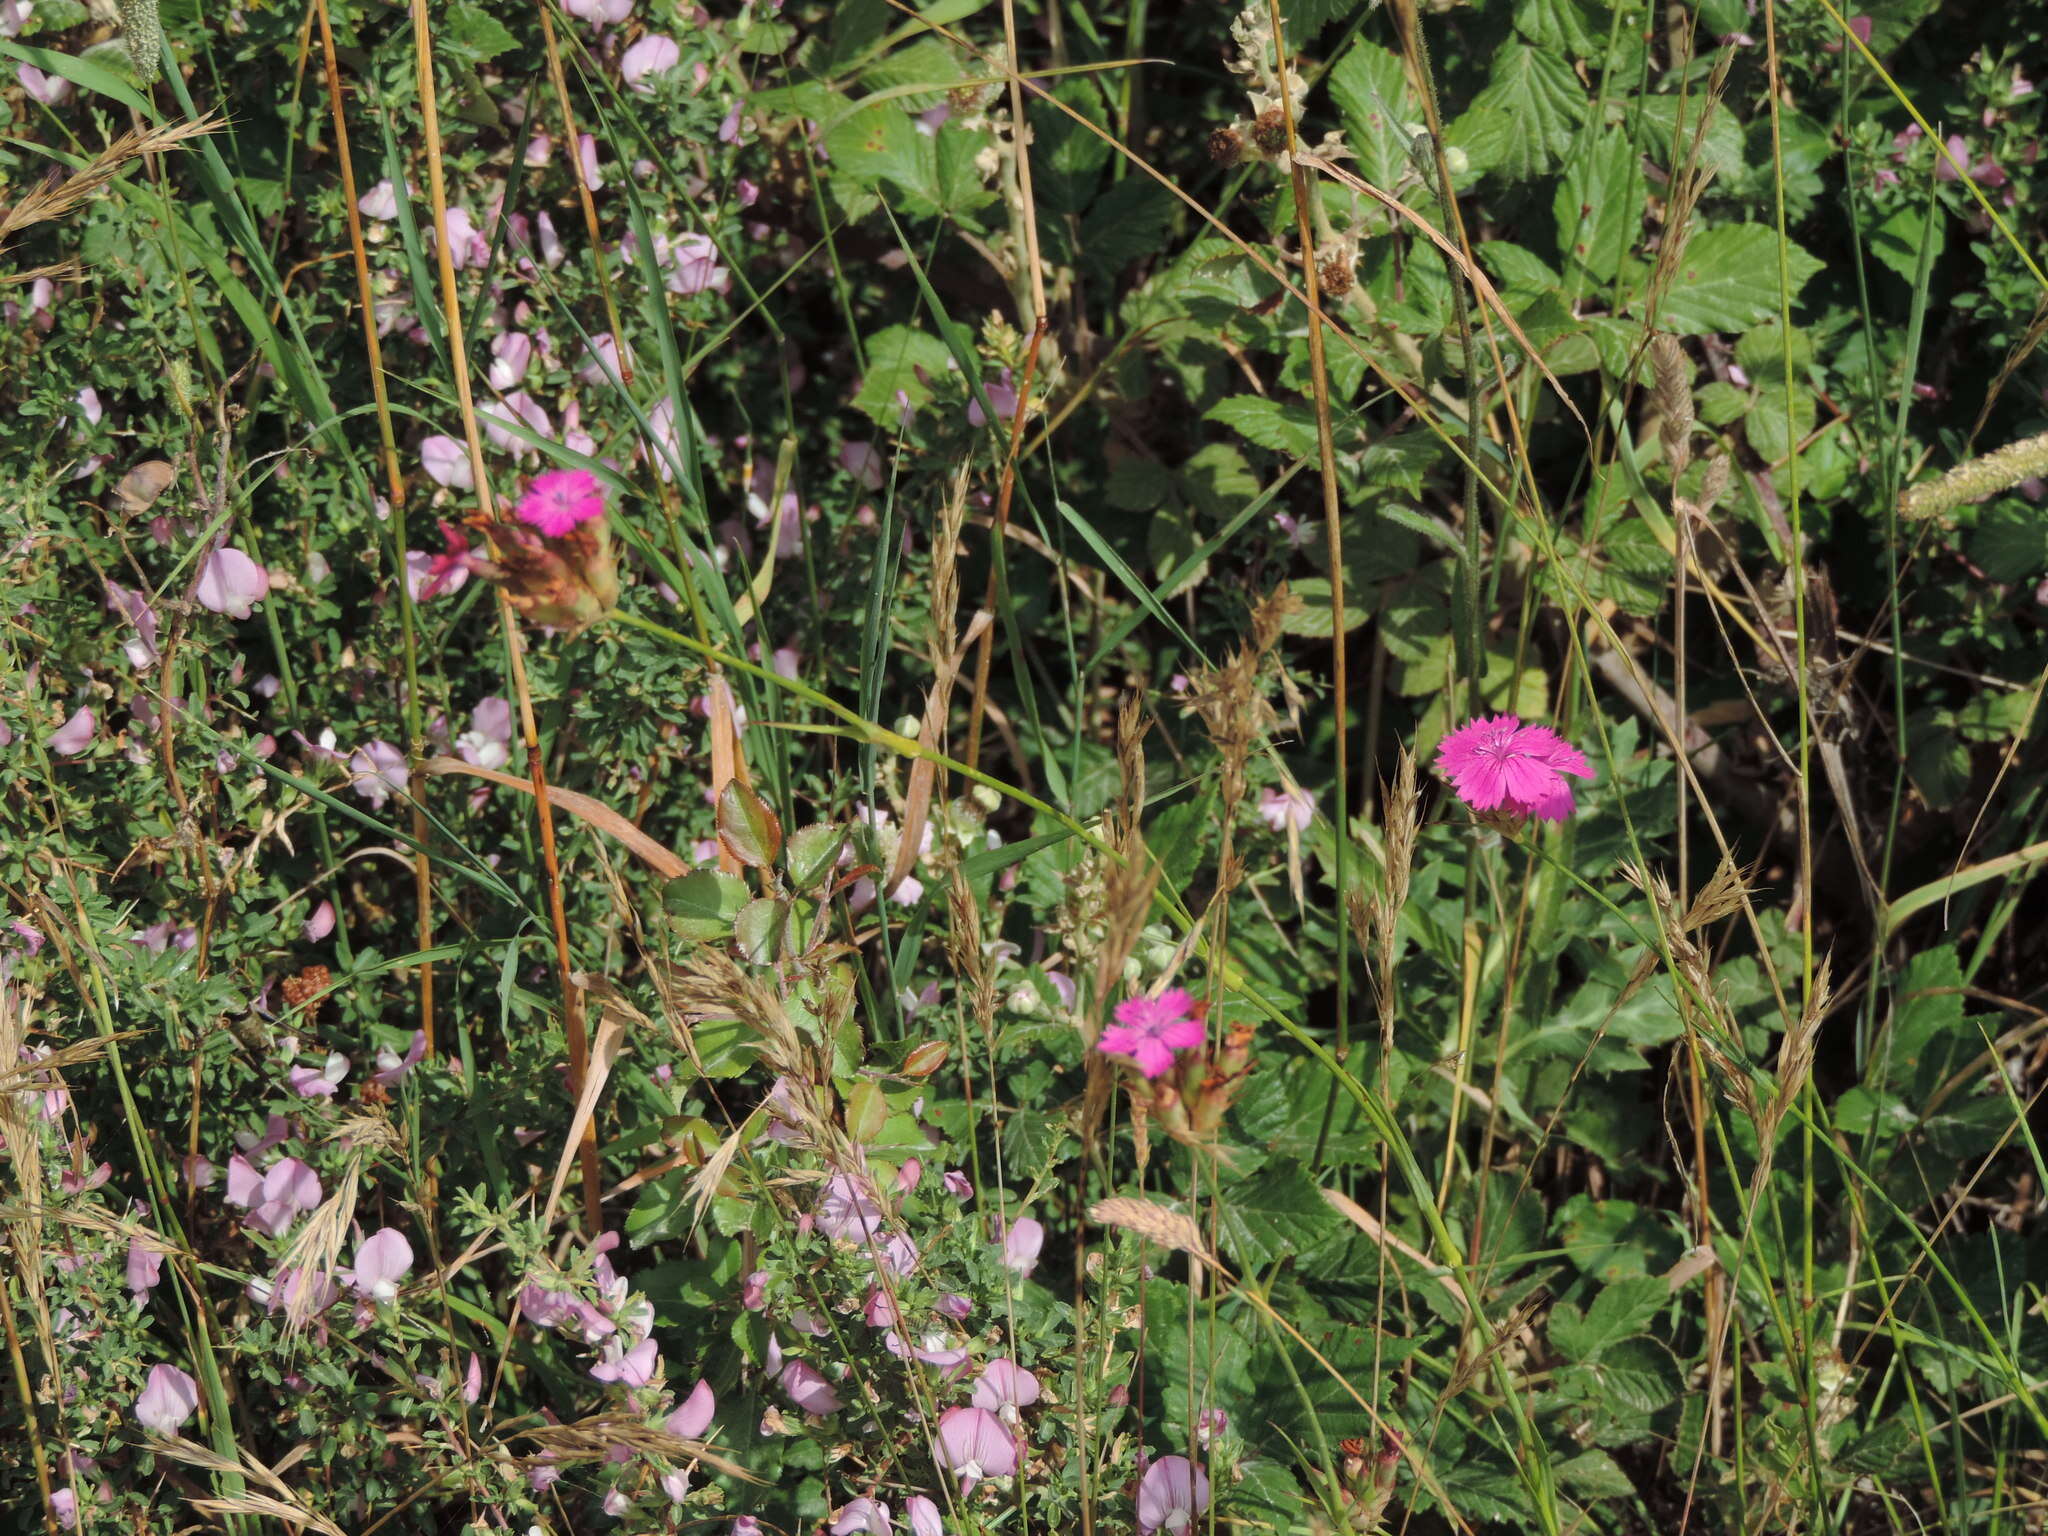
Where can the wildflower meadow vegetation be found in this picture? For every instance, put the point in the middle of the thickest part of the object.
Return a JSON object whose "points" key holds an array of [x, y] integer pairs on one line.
{"points": [[808, 767]]}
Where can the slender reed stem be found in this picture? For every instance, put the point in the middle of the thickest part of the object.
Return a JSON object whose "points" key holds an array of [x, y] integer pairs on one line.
{"points": [[572, 998]]}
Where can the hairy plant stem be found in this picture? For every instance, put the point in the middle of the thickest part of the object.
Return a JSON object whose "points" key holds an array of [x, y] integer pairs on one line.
{"points": [[408, 611], [572, 997], [1333, 534]]}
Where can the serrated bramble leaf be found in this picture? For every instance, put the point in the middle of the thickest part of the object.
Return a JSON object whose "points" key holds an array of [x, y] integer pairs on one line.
{"points": [[1622, 1310], [1311, 619], [1728, 281], [813, 853], [1522, 124], [1279, 1213], [1371, 89], [1283, 426], [1599, 205]]}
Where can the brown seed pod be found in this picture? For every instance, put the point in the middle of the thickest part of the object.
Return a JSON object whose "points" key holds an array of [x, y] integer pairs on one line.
{"points": [[1269, 131], [1226, 146], [1334, 276], [307, 986]]}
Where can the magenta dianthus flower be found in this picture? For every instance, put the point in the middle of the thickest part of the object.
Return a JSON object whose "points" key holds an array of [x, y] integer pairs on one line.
{"points": [[560, 499], [1150, 1029], [1502, 764]]}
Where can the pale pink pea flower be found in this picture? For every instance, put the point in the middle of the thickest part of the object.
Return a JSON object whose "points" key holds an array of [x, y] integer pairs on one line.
{"points": [[380, 202], [651, 57], [694, 1416], [50, 90], [169, 1397], [145, 1267], [1021, 1244], [923, 1516], [1171, 1494], [808, 1389], [319, 1082], [392, 1067], [862, 1515], [1282, 808], [447, 463], [511, 355], [231, 583], [382, 1260], [75, 734], [1003, 1388], [140, 648], [634, 1367], [320, 924], [377, 771], [974, 1444]]}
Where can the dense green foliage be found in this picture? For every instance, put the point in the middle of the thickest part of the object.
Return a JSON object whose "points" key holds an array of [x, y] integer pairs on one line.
{"points": [[1669, 1165]]}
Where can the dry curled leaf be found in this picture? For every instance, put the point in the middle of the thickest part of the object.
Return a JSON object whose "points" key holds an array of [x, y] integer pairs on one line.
{"points": [[139, 488]]}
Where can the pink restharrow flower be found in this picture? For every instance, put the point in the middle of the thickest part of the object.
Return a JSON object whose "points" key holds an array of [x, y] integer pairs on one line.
{"points": [[1502, 764], [862, 1515], [808, 1389], [560, 499], [231, 583], [1150, 1029], [1171, 1494], [690, 1420], [633, 1367], [1022, 1240], [169, 1397], [974, 1444], [382, 1260], [1004, 1387]]}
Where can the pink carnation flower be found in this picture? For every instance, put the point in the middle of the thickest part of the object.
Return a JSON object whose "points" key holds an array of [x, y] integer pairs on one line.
{"points": [[1150, 1029], [1502, 764], [560, 499]]}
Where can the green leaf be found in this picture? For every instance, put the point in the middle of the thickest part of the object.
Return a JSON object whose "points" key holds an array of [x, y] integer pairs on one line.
{"points": [[1666, 127], [1639, 1374], [1897, 238], [474, 33], [1312, 619], [1728, 281], [1370, 87], [705, 902], [1622, 1310], [1305, 18], [1279, 1213], [1566, 25], [762, 930], [896, 356], [747, 827], [1284, 426], [813, 852], [2010, 540], [1599, 205], [1522, 124], [867, 1111], [1937, 761], [1595, 1475]]}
